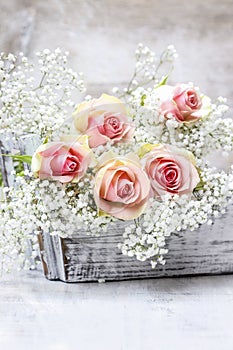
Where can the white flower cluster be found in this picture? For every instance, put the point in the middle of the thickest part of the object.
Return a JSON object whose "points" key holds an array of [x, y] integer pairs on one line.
{"points": [[35, 206], [18, 243], [149, 124], [60, 209], [43, 105], [36, 98], [149, 68], [211, 133], [146, 237]]}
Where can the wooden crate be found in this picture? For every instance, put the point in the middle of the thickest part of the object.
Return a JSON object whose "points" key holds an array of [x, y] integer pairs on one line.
{"points": [[208, 250]]}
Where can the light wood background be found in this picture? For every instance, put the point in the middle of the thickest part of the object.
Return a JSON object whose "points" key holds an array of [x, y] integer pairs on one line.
{"points": [[101, 36], [163, 314]]}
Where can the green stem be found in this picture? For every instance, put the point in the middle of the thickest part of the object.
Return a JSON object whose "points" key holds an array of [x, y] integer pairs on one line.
{"points": [[41, 83]]}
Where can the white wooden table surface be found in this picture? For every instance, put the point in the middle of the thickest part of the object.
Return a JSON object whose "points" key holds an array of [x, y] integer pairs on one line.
{"points": [[162, 314]]}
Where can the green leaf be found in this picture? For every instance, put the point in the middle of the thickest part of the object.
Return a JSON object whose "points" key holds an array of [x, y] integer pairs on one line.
{"points": [[201, 184], [25, 159], [21, 173], [143, 100], [102, 213], [46, 140], [163, 81], [144, 149]]}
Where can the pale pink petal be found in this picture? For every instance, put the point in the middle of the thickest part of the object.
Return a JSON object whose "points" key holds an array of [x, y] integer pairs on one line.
{"points": [[52, 148], [95, 138], [64, 178], [45, 169]]}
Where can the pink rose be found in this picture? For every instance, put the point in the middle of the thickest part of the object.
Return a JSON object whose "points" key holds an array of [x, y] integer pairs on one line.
{"points": [[103, 119], [188, 101], [181, 102], [170, 170], [61, 161], [170, 111], [121, 188]]}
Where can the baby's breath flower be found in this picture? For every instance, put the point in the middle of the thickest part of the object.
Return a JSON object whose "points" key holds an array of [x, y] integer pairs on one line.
{"points": [[43, 107], [32, 105]]}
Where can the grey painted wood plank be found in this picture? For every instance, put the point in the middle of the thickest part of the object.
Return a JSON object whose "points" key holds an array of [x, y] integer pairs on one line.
{"points": [[29, 143], [6, 163], [208, 250]]}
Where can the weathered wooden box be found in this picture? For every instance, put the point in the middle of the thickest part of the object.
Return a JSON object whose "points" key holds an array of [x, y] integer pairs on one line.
{"points": [[208, 250]]}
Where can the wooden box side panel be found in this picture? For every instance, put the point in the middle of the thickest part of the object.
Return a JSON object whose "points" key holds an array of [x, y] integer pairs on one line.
{"points": [[51, 252], [6, 163], [208, 250]]}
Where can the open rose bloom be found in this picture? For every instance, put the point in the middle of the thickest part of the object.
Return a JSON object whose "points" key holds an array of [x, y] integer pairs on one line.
{"points": [[121, 187], [61, 161], [181, 102], [103, 119], [170, 170]]}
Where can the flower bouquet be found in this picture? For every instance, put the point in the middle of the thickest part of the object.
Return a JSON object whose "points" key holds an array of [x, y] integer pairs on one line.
{"points": [[109, 185]]}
